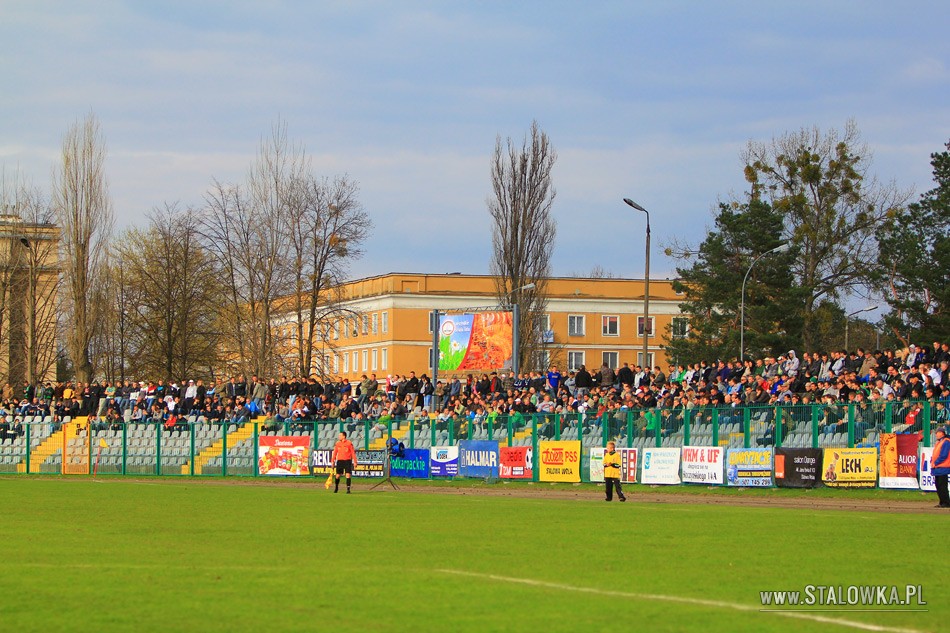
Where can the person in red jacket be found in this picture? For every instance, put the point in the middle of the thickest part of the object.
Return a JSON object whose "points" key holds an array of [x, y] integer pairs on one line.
{"points": [[344, 459], [940, 466]]}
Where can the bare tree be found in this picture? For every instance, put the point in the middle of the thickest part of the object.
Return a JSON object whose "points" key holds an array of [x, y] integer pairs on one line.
{"points": [[84, 209], [328, 227], [523, 231]]}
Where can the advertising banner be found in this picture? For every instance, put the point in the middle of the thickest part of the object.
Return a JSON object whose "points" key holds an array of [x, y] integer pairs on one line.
{"points": [[444, 461], [628, 464], [661, 466], [898, 461], [280, 455], [703, 464], [476, 341], [516, 462], [749, 467], [597, 465], [478, 458], [927, 482], [413, 464], [560, 461], [849, 467], [369, 463], [797, 467], [321, 462]]}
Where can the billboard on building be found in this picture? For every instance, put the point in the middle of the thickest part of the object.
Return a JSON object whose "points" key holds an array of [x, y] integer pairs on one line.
{"points": [[474, 342]]}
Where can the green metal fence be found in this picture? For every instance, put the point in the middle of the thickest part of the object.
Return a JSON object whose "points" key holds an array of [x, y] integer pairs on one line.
{"points": [[200, 449]]}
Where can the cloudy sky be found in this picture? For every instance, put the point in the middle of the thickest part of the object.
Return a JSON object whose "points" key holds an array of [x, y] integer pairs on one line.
{"points": [[647, 100]]}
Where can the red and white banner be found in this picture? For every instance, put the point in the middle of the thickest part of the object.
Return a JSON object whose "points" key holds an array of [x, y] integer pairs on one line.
{"points": [[283, 455], [898, 461], [515, 462], [703, 464]]}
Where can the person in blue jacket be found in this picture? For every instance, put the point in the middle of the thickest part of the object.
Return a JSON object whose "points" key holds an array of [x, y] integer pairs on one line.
{"points": [[940, 466]]}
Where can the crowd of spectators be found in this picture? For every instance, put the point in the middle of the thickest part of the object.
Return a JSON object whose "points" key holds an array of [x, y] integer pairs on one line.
{"points": [[902, 383]]}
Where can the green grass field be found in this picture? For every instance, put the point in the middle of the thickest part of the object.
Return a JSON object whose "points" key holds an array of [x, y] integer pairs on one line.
{"points": [[214, 555]]}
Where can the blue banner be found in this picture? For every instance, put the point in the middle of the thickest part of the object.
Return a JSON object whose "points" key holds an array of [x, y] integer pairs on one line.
{"points": [[414, 463], [478, 458], [444, 461]]}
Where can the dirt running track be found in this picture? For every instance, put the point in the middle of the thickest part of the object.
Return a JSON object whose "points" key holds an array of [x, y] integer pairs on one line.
{"points": [[774, 498]]}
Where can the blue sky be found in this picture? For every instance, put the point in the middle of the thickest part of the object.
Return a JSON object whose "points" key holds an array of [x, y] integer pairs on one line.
{"points": [[651, 101]]}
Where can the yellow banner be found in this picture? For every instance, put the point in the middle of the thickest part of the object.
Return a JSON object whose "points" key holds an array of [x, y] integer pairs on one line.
{"points": [[559, 461], [850, 467]]}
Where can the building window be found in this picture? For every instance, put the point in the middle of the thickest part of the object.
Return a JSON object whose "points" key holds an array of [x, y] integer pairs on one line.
{"points": [[365, 364], [431, 359], [356, 361], [346, 363], [432, 323], [611, 325], [679, 328], [375, 323], [649, 362], [542, 358], [375, 365], [336, 330], [574, 360], [384, 360], [336, 364], [365, 324], [385, 319], [640, 326], [611, 359], [575, 325], [354, 327]]}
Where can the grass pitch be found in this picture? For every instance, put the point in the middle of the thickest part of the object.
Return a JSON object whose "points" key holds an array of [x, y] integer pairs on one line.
{"points": [[213, 555]]}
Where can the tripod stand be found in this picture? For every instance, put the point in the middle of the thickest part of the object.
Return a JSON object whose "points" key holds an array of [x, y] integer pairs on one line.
{"points": [[387, 470]]}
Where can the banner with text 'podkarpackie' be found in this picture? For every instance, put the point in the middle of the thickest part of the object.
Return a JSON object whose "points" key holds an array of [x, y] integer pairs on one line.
{"points": [[478, 458], [661, 466], [898, 460], [559, 461], [703, 464], [849, 467], [515, 462], [749, 467], [414, 463], [369, 463], [444, 461], [797, 467]]}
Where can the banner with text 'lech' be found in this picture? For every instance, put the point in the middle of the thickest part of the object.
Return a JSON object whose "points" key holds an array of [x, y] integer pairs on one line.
{"points": [[849, 467]]}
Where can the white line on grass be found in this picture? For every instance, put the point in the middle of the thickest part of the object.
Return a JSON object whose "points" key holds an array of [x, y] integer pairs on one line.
{"points": [[683, 600]]}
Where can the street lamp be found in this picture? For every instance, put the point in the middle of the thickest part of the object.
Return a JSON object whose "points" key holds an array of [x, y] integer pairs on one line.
{"points": [[647, 330], [507, 297], [847, 322], [781, 248]]}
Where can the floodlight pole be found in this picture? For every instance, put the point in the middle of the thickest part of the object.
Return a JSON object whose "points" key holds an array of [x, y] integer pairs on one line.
{"points": [[435, 353], [781, 248], [647, 330]]}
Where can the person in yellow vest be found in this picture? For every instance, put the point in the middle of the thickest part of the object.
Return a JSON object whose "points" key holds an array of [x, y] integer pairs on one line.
{"points": [[940, 466], [612, 472]]}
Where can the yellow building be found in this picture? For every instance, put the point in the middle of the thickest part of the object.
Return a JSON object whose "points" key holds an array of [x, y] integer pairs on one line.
{"points": [[590, 321], [29, 276]]}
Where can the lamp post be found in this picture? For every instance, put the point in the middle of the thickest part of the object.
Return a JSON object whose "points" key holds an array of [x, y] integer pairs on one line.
{"points": [[847, 322], [647, 330], [781, 248]]}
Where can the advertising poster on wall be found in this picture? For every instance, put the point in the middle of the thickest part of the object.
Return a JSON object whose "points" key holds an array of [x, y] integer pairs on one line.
{"points": [[797, 467], [628, 465], [749, 467], [926, 481], [478, 458], [515, 462], [413, 464], [661, 466], [559, 461], [703, 464], [849, 467], [444, 461], [475, 342], [898, 460], [283, 455]]}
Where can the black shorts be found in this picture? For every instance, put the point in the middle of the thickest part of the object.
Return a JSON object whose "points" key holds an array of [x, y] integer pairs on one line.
{"points": [[344, 466]]}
